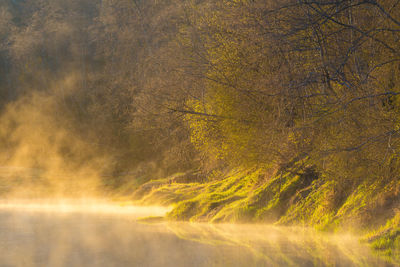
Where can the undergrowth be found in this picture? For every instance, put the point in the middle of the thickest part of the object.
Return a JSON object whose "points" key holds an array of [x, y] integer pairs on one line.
{"points": [[287, 198]]}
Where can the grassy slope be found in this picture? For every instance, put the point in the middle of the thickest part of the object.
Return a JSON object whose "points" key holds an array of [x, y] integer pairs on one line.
{"points": [[386, 239], [303, 198]]}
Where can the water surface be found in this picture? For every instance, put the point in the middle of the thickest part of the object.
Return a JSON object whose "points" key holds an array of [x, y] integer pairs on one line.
{"points": [[89, 234]]}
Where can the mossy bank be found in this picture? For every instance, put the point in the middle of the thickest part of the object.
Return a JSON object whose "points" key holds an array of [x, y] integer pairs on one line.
{"points": [[285, 198]]}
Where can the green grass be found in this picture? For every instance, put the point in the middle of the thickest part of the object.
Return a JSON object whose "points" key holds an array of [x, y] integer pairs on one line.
{"points": [[241, 196], [386, 239], [245, 196], [210, 200]]}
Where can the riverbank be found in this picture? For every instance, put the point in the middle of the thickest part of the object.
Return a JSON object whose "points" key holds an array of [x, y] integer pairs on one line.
{"points": [[291, 198]]}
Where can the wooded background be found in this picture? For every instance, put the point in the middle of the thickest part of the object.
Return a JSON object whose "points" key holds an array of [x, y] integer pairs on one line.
{"points": [[159, 87]]}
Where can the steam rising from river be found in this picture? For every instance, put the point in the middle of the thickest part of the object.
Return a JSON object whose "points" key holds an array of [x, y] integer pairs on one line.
{"points": [[82, 206], [92, 233], [50, 119], [42, 153]]}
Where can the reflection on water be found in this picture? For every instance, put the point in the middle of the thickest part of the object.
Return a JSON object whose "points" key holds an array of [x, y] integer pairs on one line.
{"points": [[282, 246], [67, 235]]}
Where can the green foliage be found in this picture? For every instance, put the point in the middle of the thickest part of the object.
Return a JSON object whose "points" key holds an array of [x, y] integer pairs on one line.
{"points": [[241, 196], [313, 206], [386, 239], [303, 198], [305, 90], [209, 201]]}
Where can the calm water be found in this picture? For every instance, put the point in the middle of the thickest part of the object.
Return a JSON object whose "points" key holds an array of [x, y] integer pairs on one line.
{"points": [[106, 235]]}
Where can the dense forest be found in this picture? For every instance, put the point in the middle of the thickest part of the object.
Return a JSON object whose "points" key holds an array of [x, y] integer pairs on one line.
{"points": [[232, 110]]}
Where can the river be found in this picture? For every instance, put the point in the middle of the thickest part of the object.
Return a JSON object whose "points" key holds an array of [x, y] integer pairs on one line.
{"points": [[103, 234]]}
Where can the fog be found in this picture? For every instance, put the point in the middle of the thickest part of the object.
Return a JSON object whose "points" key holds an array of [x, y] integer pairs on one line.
{"points": [[43, 157], [72, 233], [80, 206], [70, 89], [86, 90]]}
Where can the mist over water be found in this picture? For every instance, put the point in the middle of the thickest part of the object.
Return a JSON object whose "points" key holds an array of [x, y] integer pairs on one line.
{"points": [[79, 206], [66, 103], [86, 90], [74, 103], [86, 233]]}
